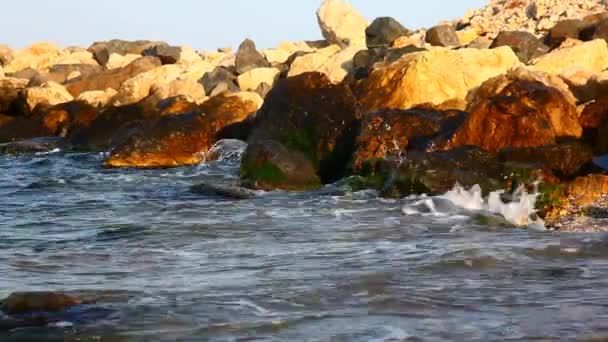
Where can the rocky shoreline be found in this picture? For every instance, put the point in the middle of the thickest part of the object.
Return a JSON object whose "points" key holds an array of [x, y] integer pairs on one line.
{"points": [[509, 96]]}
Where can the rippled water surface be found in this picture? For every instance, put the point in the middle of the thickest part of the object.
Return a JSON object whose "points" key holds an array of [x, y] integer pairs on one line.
{"points": [[161, 263]]}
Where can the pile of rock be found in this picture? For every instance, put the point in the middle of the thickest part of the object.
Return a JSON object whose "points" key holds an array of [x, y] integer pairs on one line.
{"points": [[404, 111]]}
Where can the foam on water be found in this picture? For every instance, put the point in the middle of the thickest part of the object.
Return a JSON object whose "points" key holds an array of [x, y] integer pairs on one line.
{"points": [[520, 210]]}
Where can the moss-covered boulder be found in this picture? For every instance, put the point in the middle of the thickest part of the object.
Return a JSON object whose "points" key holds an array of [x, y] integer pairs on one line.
{"points": [[269, 165], [309, 114]]}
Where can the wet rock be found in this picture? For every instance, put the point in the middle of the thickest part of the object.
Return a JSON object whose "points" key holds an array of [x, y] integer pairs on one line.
{"points": [[308, 114], [111, 78], [524, 113], [341, 24], [383, 31], [389, 133], [19, 127], [431, 77], [251, 80], [102, 50], [442, 35], [226, 192], [594, 53], [182, 139], [22, 302], [269, 165], [218, 76], [525, 45], [248, 57], [594, 120], [564, 160], [35, 145]]}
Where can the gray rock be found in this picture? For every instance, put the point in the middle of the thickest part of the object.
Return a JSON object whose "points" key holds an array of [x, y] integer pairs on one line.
{"points": [[383, 31], [248, 57], [525, 45], [219, 77], [442, 35], [102, 50]]}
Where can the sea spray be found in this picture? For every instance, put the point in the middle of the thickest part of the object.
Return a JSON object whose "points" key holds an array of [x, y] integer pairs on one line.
{"points": [[519, 210]]}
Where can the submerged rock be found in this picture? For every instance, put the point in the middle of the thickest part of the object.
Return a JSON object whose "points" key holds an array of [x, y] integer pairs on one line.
{"points": [[22, 302], [35, 145], [227, 192]]}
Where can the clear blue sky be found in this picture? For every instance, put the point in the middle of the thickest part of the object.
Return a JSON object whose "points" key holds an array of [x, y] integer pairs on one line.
{"points": [[202, 24]]}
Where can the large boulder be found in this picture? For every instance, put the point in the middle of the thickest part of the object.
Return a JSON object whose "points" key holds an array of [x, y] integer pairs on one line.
{"points": [[173, 54], [269, 165], [179, 87], [181, 139], [432, 77], [331, 61], [10, 88], [285, 49], [442, 35], [341, 23], [119, 61], [48, 94], [220, 78], [248, 57], [565, 29], [62, 73], [517, 113], [111, 78], [251, 80], [103, 50], [97, 98], [307, 113], [390, 133], [525, 45], [383, 31], [563, 60], [32, 57]]}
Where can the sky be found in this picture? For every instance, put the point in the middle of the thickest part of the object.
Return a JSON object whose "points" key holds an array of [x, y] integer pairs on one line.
{"points": [[202, 24]]}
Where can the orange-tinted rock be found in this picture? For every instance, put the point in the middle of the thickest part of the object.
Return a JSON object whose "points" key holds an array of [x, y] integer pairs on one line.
{"points": [[181, 139], [586, 190], [113, 78], [522, 114], [19, 127], [176, 105], [594, 120], [389, 133], [22, 302]]}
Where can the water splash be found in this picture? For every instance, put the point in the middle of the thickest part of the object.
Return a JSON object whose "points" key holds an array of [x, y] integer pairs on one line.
{"points": [[520, 210]]}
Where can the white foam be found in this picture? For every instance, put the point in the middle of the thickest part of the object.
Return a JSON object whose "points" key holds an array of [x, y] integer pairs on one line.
{"points": [[55, 150]]}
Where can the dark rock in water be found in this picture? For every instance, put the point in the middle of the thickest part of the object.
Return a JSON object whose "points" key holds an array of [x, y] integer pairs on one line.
{"points": [[525, 45], [309, 114], [60, 73], [389, 133], [442, 35], [219, 76], [248, 57], [111, 78], [594, 120], [570, 28], [383, 31], [522, 114], [269, 165], [227, 192], [181, 139], [167, 54], [18, 128], [102, 50], [46, 144], [565, 160], [22, 302]]}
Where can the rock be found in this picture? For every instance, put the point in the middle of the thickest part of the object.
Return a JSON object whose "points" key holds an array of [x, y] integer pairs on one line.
{"points": [[406, 41], [227, 150], [422, 77], [180, 87], [525, 45], [251, 79], [263, 89], [35, 145], [594, 53], [564, 160], [33, 56], [389, 133], [597, 31], [10, 88], [215, 58], [62, 73], [307, 113], [248, 57], [6, 55], [442, 35], [19, 128], [269, 165], [594, 120], [111, 78], [383, 31], [570, 28], [588, 189], [220, 75], [466, 37], [173, 54], [177, 105], [97, 98], [524, 113], [182, 139], [336, 66], [48, 94], [341, 24], [480, 43], [23, 302], [285, 49], [227, 192], [103, 50], [119, 61], [436, 173]]}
